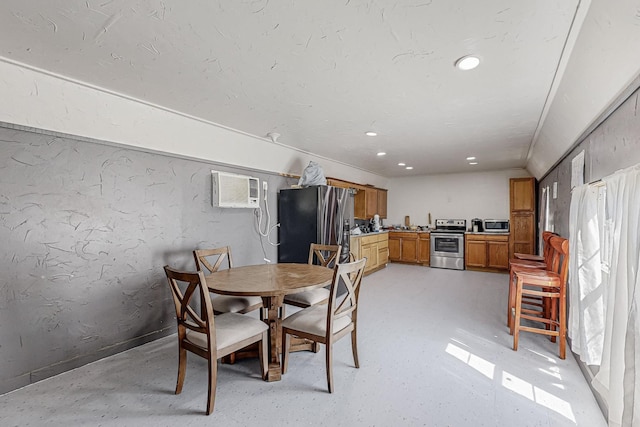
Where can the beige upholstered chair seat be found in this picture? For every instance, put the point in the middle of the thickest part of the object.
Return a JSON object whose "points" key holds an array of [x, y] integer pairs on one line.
{"points": [[230, 328], [313, 320], [308, 298], [233, 304]]}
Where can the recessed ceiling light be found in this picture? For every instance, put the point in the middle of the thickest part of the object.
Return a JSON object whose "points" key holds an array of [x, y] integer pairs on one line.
{"points": [[473, 163], [468, 62], [409, 167], [382, 153], [402, 164], [471, 158], [371, 133]]}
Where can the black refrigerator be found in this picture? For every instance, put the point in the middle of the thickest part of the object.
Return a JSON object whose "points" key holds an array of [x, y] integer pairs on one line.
{"points": [[315, 214]]}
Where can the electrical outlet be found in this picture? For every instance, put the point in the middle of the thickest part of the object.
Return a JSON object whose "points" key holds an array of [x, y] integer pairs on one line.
{"points": [[555, 189]]}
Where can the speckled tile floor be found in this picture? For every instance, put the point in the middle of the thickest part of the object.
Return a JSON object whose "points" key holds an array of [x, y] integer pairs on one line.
{"points": [[434, 351]]}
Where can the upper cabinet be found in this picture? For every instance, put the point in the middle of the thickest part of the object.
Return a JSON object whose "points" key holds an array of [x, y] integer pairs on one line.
{"points": [[382, 203], [369, 201], [522, 192], [523, 215]]}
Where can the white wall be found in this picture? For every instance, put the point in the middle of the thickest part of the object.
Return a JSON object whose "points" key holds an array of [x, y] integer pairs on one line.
{"points": [[451, 196], [39, 99], [604, 61]]}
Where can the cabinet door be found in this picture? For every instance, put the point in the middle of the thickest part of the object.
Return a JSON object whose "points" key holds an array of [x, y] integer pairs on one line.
{"points": [[371, 197], [523, 232], [383, 255], [410, 249], [522, 194], [383, 249], [394, 248], [354, 247], [498, 255], [382, 203], [476, 253], [424, 248], [371, 255]]}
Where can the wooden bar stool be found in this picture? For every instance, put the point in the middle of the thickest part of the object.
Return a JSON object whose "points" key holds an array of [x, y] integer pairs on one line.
{"points": [[549, 284], [518, 264], [539, 258]]}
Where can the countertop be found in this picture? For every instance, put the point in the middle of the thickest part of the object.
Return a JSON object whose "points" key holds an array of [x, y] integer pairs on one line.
{"points": [[373, 233], [410, 231], [487, 233]]}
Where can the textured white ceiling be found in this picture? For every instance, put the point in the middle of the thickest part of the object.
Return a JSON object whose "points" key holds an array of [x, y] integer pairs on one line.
{"points": [[319, 73]]}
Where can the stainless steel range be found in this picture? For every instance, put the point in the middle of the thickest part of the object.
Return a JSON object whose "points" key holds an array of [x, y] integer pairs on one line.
{"points": [[447, 244]]}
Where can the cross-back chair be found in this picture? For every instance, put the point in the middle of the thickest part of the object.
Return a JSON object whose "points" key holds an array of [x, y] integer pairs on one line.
{"points": [[206, 335], [327, 256], [212, 260], [326, 324]]}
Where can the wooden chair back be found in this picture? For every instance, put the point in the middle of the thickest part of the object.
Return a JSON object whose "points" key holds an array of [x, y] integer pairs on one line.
{"points": [[547, 249], [327, 255], [188, 318], [219, 255], [560, 257], [350, 275]]}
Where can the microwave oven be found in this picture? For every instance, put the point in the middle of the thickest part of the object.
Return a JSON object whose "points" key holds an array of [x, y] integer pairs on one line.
{"points": [[496, 225]]}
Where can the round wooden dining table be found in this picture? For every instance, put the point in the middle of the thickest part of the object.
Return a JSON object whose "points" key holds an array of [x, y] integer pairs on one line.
{"points": [[272, 282]]}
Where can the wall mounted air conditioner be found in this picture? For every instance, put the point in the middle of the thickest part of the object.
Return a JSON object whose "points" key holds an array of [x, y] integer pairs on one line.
{"points": [[235, 191]]}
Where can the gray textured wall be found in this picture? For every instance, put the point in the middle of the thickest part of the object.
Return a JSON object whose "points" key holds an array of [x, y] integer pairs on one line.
{"points": [[86, 228], [613, 145]]}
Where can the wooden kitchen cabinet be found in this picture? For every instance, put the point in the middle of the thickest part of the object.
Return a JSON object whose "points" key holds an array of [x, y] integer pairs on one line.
{"points": [[410, 247], [522, 220], [486, 252], [475, 253], [375, 247], [498, 254], [369, 201], [424, 248], [382, 203]]}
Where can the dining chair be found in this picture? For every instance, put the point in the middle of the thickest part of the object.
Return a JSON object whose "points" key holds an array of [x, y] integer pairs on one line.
{"points": [[327, 256], [551, 284], [212, 260], [209, 336], [326, 324]]}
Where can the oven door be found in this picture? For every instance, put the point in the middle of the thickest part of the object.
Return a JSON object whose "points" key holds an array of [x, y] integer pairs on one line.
{"points": [[447, 245]]}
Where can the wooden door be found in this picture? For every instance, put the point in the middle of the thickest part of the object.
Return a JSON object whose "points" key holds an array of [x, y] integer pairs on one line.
{"points": [[370, 251], [523, 233], [498, 254], [383, 249], [410, 249], [395, 252], [371, 197], [424, 248], [522, 194], [476, 253], [382, 203]]}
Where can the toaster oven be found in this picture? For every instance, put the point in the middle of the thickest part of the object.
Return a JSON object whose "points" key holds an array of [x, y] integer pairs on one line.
{"points": [[496, 225]]}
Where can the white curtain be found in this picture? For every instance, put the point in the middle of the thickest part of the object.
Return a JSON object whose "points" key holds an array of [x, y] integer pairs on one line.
{"points": [[618, 380], [587, 293]]}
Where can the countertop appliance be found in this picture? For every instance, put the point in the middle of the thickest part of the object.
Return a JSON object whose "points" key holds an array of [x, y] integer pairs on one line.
{"points": [[314, 214], [447, 244], [477, 225], [496, 225]]}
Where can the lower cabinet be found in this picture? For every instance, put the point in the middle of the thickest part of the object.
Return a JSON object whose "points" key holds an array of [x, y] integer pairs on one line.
{"points": [[486, 252], [409, 247], [375, 247]]}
